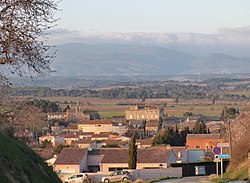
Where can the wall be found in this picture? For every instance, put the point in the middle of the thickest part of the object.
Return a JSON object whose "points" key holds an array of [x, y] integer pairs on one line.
{"points": [[59, 140], [94, 160], [84, 163], [172, 158], [98, 129], [67, 168], [149, 174], [105, 166]]}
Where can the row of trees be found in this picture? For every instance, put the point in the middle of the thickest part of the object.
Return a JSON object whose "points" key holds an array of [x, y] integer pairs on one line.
{"points": [[177, 91], [176, 137]]}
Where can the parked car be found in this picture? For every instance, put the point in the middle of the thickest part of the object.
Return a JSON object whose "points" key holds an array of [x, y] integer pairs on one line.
{"points": [[77, 178], [117, 176]]}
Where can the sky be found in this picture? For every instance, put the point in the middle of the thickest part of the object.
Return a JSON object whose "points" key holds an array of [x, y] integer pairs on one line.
{"points": [[154, 16], [198, 27]]}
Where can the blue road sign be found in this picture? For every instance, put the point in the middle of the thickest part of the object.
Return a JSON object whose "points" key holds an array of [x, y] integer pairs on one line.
{"points": [[216, 150], [224, 156]]}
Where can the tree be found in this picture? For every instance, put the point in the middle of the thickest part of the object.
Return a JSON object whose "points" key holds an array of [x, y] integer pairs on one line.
{"points": [[143, 126], [168, 136], [187, 114], [200, 128], [23, 26], [230, 113], [160, 124], [132, 156]]}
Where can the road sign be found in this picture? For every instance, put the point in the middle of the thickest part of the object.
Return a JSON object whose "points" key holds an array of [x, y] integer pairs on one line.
{"points": [[223, 145], [224, 156], [216, 150]]}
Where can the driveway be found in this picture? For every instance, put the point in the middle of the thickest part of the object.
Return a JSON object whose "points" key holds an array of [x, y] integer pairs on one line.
{"points": [[198, 179]]}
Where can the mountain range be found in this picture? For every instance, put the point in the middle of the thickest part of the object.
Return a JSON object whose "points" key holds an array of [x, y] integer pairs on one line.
{"points": [[79, 59]]}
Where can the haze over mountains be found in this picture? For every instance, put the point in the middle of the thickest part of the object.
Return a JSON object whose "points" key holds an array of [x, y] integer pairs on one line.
{"points": [[79, 59]]}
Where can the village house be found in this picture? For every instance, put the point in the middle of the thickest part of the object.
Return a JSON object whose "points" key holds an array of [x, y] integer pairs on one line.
{"points": [[190, 121], [54, 139], [215, 126], [70, 128], [100, 137], [144, 113], [85, 135], [202, 141], [24, 134], [74, 160], [71, 160], [149, 158], [152, 126], [179, 152], [56, 115], [57, 129], [84, 143], [99, 126], [70, 137], [144, 143]]}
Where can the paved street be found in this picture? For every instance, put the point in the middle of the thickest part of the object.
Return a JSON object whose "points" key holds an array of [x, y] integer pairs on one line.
{"points": [[200, 179]]}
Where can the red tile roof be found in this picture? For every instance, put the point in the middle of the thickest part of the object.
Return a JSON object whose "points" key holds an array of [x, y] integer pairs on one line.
{"points": [[120, 155], [145, 141], [70, 156], [81, 141], [101, 135], [71, 127], [71, 135]]}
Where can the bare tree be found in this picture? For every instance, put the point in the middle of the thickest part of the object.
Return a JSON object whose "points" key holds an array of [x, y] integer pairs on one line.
{"points": [[24, 25]]}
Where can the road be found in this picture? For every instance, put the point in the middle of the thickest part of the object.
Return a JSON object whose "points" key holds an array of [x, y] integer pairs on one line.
{"points": [[198, 179]]}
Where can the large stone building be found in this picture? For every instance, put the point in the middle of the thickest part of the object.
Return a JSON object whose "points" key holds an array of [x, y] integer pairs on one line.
{"points": [[78, 112], [149, 113]]}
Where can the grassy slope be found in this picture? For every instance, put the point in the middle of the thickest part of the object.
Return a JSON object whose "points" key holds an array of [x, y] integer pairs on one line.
{"points": [[238, 173], [20, 164]]}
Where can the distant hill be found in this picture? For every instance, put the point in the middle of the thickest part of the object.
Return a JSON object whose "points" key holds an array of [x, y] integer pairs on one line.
{"points": [[220, 64], [18, 163], [115, 59], [78, 59]]}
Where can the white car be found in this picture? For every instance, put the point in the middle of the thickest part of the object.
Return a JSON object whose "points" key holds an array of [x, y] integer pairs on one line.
{"points": [[117, 176], [76, 178]]}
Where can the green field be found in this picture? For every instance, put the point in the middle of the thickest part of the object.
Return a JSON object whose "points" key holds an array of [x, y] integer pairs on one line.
{"points": [[111, 107]]}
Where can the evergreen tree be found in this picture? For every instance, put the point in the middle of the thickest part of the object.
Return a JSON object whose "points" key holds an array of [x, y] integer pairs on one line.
{"points": [[200, 128], [132, 157], [160, 124], [183, 135], [143, 126]]}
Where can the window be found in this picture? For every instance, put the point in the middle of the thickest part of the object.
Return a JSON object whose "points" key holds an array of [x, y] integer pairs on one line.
{"points": [[197, 147], [131, 116], [138, 116], [142, 116], [151, 116]]}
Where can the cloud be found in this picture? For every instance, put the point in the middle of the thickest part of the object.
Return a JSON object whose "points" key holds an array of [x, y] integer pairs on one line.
{"points": [[228, 40], [239, 35], [61, 36]]}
